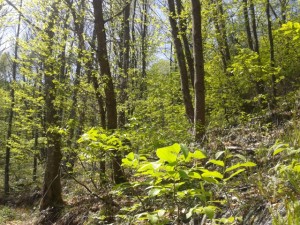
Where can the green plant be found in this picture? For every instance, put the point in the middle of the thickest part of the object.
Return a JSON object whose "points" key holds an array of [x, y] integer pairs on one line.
{"points": [[179, 186], [7, 214]]}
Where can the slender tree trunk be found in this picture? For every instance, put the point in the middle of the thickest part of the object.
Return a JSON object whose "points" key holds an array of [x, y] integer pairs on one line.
{"points": [[79, 31], [110, 97], [181, 63], [221, 34], [125, 65], [199, 120], [187, 50], [247, 24], [92, 77], [259, 84], [283, 9], [35, 156], [11, 110], [254, 27], [52, 192], [144, 48], [272, 54]]}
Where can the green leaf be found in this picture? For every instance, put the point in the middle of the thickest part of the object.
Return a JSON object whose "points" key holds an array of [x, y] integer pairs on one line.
{"points": [[130, 156], [238, 165], [185, 150], [161, 212], [214, 174], [183, 174], [209, 211], [219, 154], [168, 154], [234, 174], [279, 147], [154, 192], [146, 167], [152, 218], [194, 175], [217, 162], [198, 155], [248, 164]]}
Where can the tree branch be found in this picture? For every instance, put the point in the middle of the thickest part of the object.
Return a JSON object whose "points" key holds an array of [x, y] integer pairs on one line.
{"points": [[118, 14], [22, 15]]}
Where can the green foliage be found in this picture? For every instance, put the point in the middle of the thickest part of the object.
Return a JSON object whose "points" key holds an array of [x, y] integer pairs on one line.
{"points": [[7, 214], [282, 184], [178, 186], [158, 119]]}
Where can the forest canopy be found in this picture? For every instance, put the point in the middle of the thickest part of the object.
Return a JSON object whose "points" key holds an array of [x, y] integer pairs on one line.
{"points": [[150, 111]]}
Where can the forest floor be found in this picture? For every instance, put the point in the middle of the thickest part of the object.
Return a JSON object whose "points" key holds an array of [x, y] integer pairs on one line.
{"points": [[253, 201]]}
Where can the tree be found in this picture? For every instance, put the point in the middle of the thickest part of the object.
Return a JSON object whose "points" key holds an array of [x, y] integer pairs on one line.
{"points": [[11, 110], [52, 193], [199, 119], [110, 97], [271, 51], [181, 62]]}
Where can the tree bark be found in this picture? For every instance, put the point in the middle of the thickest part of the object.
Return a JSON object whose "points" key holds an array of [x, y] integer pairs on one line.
{"points": [[181, 63], [110, 97], [221, 34], [247, 24], [254, 27], [199, 120], [144, 49], [52, 192], [186, 45], [272, 53], [125, 65]]}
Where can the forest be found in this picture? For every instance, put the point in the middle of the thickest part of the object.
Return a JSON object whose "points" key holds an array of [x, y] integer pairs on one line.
{"points": [[150, 112]]}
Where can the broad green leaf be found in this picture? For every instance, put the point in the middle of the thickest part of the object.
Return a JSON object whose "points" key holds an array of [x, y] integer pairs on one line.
{"points": [[183, 174], [214, 174], [194, 175], [198, 155], [130, 156], [279, 147], [168, 154], [209, 211], [297, 168], [146, 167], [278, 150], [185, 150], [154, 192], [217, 162]]}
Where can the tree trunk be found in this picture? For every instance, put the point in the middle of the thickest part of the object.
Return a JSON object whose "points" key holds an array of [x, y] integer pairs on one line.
{"points": [[247, 24], [125, 65], [272, 54], [79, 31], [221, 34], [181, 63], [110, 97], [11, 110], [92, 78], [187, 50], [254, 27], [52, 193], [199, 120], [144, 49]]}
